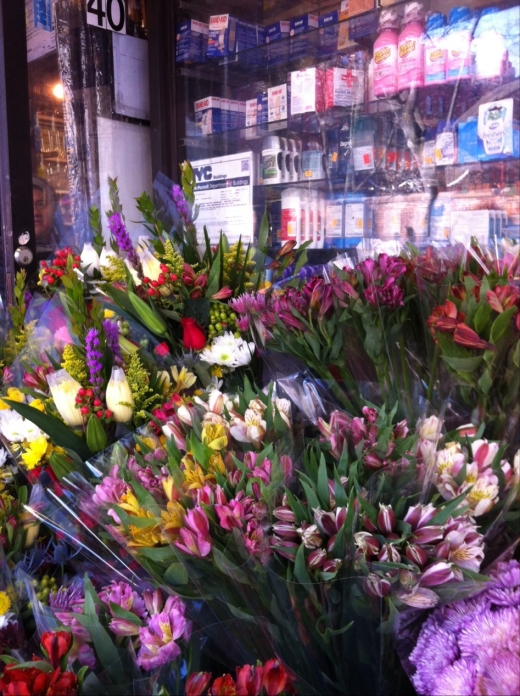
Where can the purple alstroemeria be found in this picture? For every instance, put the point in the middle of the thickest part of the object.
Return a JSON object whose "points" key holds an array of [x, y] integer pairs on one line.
{"points": [[119, 232], [121, 594], [110, 490], [158, 638]]}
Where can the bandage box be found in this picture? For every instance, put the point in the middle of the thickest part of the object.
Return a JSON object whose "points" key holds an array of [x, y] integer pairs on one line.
{"points": [[301, 43], [191, 41], [222, 35], [208, 116]]}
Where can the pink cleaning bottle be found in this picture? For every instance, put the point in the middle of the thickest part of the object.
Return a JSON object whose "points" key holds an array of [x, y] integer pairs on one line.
{"points": [[410, 52], [385, 55]]}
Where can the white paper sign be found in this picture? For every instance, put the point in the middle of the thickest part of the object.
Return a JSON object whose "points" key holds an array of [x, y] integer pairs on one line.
{"points": [[224, 194], [107, 14]]}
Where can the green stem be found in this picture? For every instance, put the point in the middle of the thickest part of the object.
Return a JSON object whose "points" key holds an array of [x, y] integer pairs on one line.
{"points": [[404, 368], [337, 390], [433, 373]]}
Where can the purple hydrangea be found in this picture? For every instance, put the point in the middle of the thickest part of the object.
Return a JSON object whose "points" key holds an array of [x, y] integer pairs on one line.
{"points": [[472, 647], [112, 336], [122, 238], [94, 359]]}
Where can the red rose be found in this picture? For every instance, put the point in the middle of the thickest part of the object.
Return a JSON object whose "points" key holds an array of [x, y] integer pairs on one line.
{"points": [[56, 644], [193, 337]]}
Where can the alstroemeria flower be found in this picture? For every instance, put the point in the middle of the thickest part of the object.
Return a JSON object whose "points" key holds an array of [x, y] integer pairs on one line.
{"points": [[464, 336]]}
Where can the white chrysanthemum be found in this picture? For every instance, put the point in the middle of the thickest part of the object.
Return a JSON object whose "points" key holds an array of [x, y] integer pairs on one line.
{"points": [[17, 429], [3, 457], [228, 351]]}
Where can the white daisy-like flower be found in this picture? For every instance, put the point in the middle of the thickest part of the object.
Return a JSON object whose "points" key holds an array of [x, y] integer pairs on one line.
{"points": [[17, 429], [228, 351], [3, 457]]}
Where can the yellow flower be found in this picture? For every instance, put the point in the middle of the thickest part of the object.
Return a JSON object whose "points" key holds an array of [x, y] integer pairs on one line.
{"points": [[172, 518], [5, 603], [216, 371], [147, 536], [216, 464], [130, 504], [13, 394], [38, 404], [214, 436], [183, 379], [108, 314], [194, 475], [35, 452]]}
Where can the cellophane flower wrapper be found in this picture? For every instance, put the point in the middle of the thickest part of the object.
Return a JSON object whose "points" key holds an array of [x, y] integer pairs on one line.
{"points": [[12, 634]]}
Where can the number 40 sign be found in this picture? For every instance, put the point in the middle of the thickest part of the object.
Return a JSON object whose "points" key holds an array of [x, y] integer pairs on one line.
{"points": [[107, 14]]}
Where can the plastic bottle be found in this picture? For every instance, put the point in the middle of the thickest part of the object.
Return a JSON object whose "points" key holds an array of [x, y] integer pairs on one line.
{"points": [[292, 160], [291, 215], [286, 175], [489, 50], [458, 44], [345, 148], [435, 50], [385, 55], [312, 160], [272, 164], [410, 53]]}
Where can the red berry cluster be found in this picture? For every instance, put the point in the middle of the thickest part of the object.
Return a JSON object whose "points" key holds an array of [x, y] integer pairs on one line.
{"points": [[88, 403], [54, 269], [165, 278]]}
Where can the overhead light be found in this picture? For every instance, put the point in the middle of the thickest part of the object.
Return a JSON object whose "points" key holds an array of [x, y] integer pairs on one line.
{"points": [[57, 90]]}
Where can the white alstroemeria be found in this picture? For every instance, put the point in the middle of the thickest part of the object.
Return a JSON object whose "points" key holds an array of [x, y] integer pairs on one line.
{"points": [[17, 429], [430, 429], [283, 406], [251, 428], [228, 351]]}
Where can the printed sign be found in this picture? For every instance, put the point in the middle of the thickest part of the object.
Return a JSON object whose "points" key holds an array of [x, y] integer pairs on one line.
{"points": [[43, 15], [224, 194], [107, 14]]}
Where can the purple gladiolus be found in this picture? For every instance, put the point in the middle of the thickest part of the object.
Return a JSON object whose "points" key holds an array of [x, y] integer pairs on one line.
{"points": [[94, 359], [112, 336], [122, 238]]}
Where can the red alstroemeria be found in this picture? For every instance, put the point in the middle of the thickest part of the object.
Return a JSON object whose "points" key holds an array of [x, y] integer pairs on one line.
{"points": [[56, 644], [275, 678], [224, 686], [197, 683], [503, 297], [193, 337], [222, 294], [464, 336], [249, 680], [445, 318]]}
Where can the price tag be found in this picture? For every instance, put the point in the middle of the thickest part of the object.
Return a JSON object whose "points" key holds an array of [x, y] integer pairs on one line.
{"points": [[107, 14]]}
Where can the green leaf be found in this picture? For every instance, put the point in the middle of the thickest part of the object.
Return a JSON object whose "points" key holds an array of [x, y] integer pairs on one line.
{"points": [[464, 364], [263, 233], [176, 574], [481, 317], [121, 613], [60, 434], [37, 664], [214, 274], [447, 511], [501, 324], [61, 465], [323, 485], [226, 565], [485, 382], [312, 499], [300, 567]]}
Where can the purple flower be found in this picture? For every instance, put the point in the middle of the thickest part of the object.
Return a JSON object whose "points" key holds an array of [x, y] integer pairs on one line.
{"points": [[501, 675], [124, 596], [112, 336], [69, 598], [110, 490], [435, 650], [505, 590], [458, 679], [491, 632], [158, 646], [94, 359], [181, 205], [122, 239]]}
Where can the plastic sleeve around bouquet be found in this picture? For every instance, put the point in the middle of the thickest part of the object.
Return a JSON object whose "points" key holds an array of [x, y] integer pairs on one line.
{"points": [[12, 634]]}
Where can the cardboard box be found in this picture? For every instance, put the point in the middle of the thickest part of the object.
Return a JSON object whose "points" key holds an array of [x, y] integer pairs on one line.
{"points": [[301, 44], [208, 116], [328, 31], [307, 91], [191, 44], [261, 108], [225, 114], [222, 36], [361, 27], [278, 51], [356, 7], [277, 103], [344, 87]]}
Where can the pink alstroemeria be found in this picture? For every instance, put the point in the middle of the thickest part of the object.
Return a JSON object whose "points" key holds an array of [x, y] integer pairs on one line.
{"points": [[376, 586], [419, 515], [484, 452], [124, 627], [330, 522], [386, 519], [172, 430], [193, 544], [197, 520], [158, 646]]}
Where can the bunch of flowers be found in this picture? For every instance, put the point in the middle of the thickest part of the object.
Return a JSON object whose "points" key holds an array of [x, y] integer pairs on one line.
{"points": [[269, 679], [52, 271], [473, 647], [45, 675]]}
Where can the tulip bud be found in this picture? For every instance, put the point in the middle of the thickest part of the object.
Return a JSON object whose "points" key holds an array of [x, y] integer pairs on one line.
{"points": [[284, 514], [389, 554], [416, 554], [311, 536], [437, 574], [426, 535], [64, 390], [376, 586], [119, 396], [366, 543], [386, 519], [316, 558], [90, 258], [332, 565], [285, 530]]}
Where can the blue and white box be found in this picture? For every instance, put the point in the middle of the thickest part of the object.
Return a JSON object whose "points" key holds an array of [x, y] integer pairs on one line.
{"points": [[363, 26], [243, 36], [241, 119], [300, 43], [234, 122], [329, 28], [274, 38], [261, 108], [208, 116], [225, 114], [467, 141], [191, 41], [222, 35]]}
